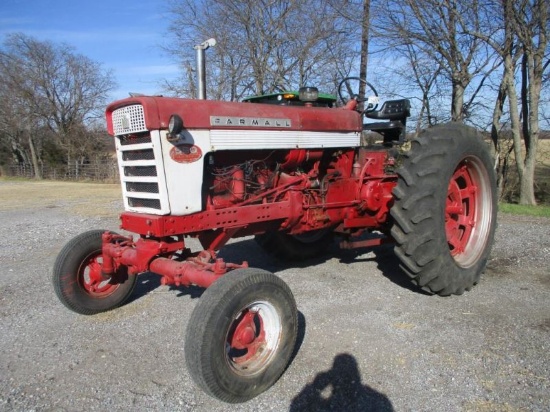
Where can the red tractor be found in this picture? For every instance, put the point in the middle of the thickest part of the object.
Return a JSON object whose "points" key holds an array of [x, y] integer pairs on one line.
{"points": [[291, 170]]}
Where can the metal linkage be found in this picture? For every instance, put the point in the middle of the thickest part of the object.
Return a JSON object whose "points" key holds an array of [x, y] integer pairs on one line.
{"points": [[156, 256]]}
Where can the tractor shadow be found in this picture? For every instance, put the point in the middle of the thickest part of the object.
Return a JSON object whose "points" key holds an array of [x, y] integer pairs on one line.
{"points": [[248, 250], [147, 282], [384, 257], [340, 389], [299, 338], [388, 264]]}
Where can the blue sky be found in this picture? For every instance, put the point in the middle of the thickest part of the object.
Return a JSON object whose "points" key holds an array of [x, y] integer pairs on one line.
{"points": [[121, 35]]}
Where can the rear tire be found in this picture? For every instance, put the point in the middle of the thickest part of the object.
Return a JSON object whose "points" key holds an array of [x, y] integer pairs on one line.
{"points": [[241, 335], [445, 209], [296, 247], [77, 278]]}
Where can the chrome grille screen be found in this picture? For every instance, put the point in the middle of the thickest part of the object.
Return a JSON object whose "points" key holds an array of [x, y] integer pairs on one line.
{"points": [[129, 119]]}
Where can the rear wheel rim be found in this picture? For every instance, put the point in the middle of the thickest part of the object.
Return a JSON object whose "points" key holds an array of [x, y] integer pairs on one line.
{"points": [[253, 338], [468, 211]]}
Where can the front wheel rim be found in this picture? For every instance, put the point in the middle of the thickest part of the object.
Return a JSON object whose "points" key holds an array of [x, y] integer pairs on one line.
{"points": [[91, 279], [468, 211], [253, 338]]}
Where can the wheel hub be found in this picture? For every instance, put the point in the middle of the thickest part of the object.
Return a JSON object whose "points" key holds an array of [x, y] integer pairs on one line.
{"points": [[253, 338], [460, 210], [245, 332], [468, 211], [92, 280]]}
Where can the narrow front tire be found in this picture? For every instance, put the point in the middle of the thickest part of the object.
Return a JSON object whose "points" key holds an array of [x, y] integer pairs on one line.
{"points": [[77, 278], [241, 335]]}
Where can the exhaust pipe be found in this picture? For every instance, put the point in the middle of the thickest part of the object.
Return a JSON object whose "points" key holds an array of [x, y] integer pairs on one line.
{"points": [[201, 67]]}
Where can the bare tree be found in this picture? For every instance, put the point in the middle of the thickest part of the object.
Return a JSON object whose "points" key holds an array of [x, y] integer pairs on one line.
{"points": [[440, 29], [531, 24], [48, 85], [263, 46], [17, 122], [520, 31], [357, 14], [424, 75], [365, 27], [499, 34]]}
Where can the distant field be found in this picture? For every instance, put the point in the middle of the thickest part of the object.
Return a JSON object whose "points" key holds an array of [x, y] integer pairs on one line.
{"points": [[84, 198]]}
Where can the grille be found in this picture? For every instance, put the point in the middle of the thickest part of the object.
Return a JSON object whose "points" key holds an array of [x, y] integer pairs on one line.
{"points": [[144, 203], [129, 119], [126, 140], [146, 154], [132, 171], [142, 174], [142, 187]]}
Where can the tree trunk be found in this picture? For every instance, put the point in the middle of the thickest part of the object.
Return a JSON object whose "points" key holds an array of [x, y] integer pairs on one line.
{"points": [[525, 99], [364, 47], [457, 103], [527, 182], [34, 158], [531, 26], [419, 120], [514, 117], [497, 113], [534, 77], [495, 128]]}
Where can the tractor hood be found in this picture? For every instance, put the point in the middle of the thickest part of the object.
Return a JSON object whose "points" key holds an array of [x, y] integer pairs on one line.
{"points": [[210, 114]]}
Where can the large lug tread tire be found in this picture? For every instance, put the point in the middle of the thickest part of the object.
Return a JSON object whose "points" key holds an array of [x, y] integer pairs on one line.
{"points": [[73, 274], [444, 215], [295, 248], [223, 363]]}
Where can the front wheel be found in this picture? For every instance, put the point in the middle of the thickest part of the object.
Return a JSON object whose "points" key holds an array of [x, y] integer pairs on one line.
{"points": [[241, 335], [77, 278], [445, 209]]}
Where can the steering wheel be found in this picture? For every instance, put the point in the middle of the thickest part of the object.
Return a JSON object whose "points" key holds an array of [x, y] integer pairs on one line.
{"points": [[371, 101]]}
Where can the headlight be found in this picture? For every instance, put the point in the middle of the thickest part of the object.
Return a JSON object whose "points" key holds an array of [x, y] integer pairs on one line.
{"points": [[175, 125], [309, 94]]}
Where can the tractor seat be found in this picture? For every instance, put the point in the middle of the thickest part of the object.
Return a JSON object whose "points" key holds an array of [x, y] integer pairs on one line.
{"points": [[379, 126], [392, 110], [396, 111]]}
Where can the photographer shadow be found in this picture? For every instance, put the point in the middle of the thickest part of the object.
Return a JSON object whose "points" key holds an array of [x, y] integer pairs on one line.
{"points": [[340, 389]]}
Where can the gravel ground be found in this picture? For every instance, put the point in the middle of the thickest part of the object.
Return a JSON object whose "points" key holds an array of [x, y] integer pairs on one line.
{"points": [[368, 341]]}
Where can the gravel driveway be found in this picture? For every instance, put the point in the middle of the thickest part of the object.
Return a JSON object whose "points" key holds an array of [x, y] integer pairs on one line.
{"points": [[368, 341]]}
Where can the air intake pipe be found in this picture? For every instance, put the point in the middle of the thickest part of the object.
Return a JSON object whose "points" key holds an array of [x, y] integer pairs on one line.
{"points": [[201, 67]]}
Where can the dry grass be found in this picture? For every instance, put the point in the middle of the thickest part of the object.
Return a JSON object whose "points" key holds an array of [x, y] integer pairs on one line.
{"points": [[85, 199]]}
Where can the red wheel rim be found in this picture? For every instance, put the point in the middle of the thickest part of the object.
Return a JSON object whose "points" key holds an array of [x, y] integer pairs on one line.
{"points": [[468, 211], [90, 279], [253, 338]]}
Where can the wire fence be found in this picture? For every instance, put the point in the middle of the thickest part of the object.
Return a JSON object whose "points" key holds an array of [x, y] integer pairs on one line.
{"points": [[103, 172]]}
